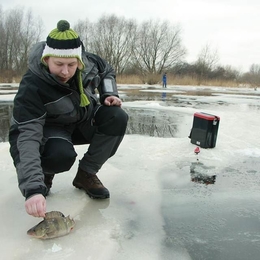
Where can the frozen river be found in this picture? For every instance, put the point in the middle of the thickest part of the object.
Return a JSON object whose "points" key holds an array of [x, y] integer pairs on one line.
{"points": [[157, 209]]}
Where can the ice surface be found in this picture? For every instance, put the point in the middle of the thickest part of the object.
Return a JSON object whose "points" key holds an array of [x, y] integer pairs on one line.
{"points": [[155, 211]]}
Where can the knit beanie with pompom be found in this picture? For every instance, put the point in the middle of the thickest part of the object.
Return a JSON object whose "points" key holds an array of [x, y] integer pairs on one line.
{"points": [[64, 42]]}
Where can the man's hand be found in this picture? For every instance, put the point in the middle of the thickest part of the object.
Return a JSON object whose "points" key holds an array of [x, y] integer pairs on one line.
{"points": [[112, 101], [36, 205]]}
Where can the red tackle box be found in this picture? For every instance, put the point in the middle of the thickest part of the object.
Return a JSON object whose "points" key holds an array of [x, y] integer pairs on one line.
{"points": [[204, 130]]}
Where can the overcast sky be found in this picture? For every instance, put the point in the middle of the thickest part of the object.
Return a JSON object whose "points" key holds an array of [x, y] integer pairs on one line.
{"points": [[229, 26]]}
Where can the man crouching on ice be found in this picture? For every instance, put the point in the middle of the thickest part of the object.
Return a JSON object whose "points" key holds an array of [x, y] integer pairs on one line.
{"points": [[56, 108]]}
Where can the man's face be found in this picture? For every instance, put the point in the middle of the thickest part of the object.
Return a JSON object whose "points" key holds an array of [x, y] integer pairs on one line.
{"points": [[63, 68]]}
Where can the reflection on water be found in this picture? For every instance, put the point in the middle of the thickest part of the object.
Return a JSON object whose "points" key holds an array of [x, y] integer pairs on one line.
{"points": [[164, 95], [201, 173], [149, 122], [5, 116], [152, 122]]}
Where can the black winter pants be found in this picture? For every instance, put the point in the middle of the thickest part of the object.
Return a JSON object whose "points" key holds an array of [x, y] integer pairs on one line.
{"points": [[103, 132]]}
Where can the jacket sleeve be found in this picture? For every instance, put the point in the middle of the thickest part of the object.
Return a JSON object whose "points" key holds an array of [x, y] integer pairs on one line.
{"points": [[107, 86], [25, 137], [28, 167]]}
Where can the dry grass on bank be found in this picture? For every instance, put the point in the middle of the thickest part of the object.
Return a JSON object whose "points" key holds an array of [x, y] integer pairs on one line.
{"points": [[155, 79], [172, 80]]}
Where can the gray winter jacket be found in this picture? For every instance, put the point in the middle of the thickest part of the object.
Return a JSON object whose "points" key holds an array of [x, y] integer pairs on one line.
{"points": [[43, 100]]}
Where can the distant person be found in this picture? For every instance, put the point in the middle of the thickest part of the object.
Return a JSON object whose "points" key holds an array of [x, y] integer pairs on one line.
{"points": [[56, 108], [164, 80]]}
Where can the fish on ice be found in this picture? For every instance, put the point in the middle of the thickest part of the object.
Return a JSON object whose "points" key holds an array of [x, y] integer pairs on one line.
{"points": [[55, 224]]}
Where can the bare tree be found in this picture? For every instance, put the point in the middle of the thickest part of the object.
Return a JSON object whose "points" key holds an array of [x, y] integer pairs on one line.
{"points": [[30, 34], [19, 31], [13, 22], [112, 39], [158, 47], [206, 62], [84, 29], [253, 76], [3, 57]]}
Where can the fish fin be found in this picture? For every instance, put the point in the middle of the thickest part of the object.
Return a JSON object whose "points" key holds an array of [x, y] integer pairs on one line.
{"points": [[53, 214]]}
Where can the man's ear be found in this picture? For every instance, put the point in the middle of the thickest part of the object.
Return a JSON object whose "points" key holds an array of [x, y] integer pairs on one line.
{"points": [[46, 60], [80, 67]]}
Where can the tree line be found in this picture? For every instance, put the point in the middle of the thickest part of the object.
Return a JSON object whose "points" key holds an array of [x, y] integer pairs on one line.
{"points": [[145, 49]]}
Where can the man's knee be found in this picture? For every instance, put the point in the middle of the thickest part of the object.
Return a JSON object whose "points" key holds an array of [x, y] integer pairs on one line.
{"points": [[58, 155], [111, 120]]}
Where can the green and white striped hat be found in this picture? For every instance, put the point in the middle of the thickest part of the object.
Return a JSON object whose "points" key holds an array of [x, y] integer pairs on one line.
{"points": [[63, 42]]}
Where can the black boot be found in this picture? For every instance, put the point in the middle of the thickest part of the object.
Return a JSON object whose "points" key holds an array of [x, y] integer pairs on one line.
{"points": [[48, 181], [91, 184]]}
